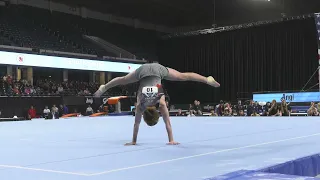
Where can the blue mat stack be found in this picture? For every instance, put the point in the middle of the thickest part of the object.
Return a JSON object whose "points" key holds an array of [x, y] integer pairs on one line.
{"points": [[305, 168]]}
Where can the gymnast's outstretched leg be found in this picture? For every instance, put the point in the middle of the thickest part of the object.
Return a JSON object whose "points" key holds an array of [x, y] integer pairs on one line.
{"points": [[156, 70], [127, 79], [175, 75]]}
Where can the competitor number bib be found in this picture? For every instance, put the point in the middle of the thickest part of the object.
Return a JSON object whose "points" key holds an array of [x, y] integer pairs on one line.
{"points": [[150, 91]]}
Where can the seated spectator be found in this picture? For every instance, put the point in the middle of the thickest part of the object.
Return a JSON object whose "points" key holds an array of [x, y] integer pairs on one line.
{"points": [[54, 89], [208, 107], [111, 108], [27, 91], [220, 109], [191, 114], [250, 108], [274, 109], [266, 109], [255, 113], [46, 112], [234, 112], [284, 108], [313, 111], [89, 111], [241, 113], [32, 113], [60, 89], [8, 79], [213, 113], [32, 90], [257, 107], [38, 90], [239, 107], [65, 110], [61, 110], [191, 109], [227, 110], [16, 90], [86, 92], [180, 113], [53, 115], [195, 107], [216, 108], [198, 107], [54, 109]]}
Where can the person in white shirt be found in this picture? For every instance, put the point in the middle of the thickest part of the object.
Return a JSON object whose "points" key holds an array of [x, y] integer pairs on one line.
{"points": [[191, 114], [46, 112], [89, 110], [60, 89]]}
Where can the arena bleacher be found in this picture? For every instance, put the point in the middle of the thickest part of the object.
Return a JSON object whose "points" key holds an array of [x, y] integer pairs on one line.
{"points": [[35, 28]]}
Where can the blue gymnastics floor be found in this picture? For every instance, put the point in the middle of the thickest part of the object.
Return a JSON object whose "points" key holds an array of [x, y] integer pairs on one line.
{"points": [[92, 148]]}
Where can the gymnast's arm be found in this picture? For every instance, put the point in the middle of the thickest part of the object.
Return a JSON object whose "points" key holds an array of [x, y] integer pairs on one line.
{"points": [[136, 126], [165, 115]]}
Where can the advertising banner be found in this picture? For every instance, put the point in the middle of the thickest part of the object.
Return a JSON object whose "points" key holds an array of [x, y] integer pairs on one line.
{"points": [[33, 60], [301, 97]]}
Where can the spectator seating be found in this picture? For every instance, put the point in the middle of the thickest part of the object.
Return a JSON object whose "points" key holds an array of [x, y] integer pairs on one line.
{"points": [[26, 27], [39, 28], [71, 88]]}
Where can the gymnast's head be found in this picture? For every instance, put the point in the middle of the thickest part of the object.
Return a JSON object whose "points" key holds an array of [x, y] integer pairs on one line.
{"points": [[149, 100], [151, 116]]}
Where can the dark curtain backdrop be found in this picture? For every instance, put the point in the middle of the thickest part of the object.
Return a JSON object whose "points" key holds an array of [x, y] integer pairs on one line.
{"points": [[275, 57]]}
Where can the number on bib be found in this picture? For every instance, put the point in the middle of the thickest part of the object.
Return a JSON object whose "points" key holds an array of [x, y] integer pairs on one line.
{"points": [[150, 91]]}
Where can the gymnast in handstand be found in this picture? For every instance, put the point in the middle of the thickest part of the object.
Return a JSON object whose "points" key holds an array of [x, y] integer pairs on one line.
{"points": [[150, 93]]}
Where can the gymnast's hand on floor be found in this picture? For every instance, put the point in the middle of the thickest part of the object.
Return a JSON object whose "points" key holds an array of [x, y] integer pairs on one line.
{"points": [[131, 144], [173, 143]]}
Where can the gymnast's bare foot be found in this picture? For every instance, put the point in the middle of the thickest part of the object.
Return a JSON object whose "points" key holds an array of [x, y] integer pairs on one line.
{"points": [[173, 143], [212, 82], [130, 144]]}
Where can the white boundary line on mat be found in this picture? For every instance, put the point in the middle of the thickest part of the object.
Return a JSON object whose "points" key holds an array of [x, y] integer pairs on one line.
{"points": [[44, 170], [204, 154]]}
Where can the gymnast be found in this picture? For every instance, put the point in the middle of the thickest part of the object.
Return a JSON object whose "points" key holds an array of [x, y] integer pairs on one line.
{"points": [[150, 93]]}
